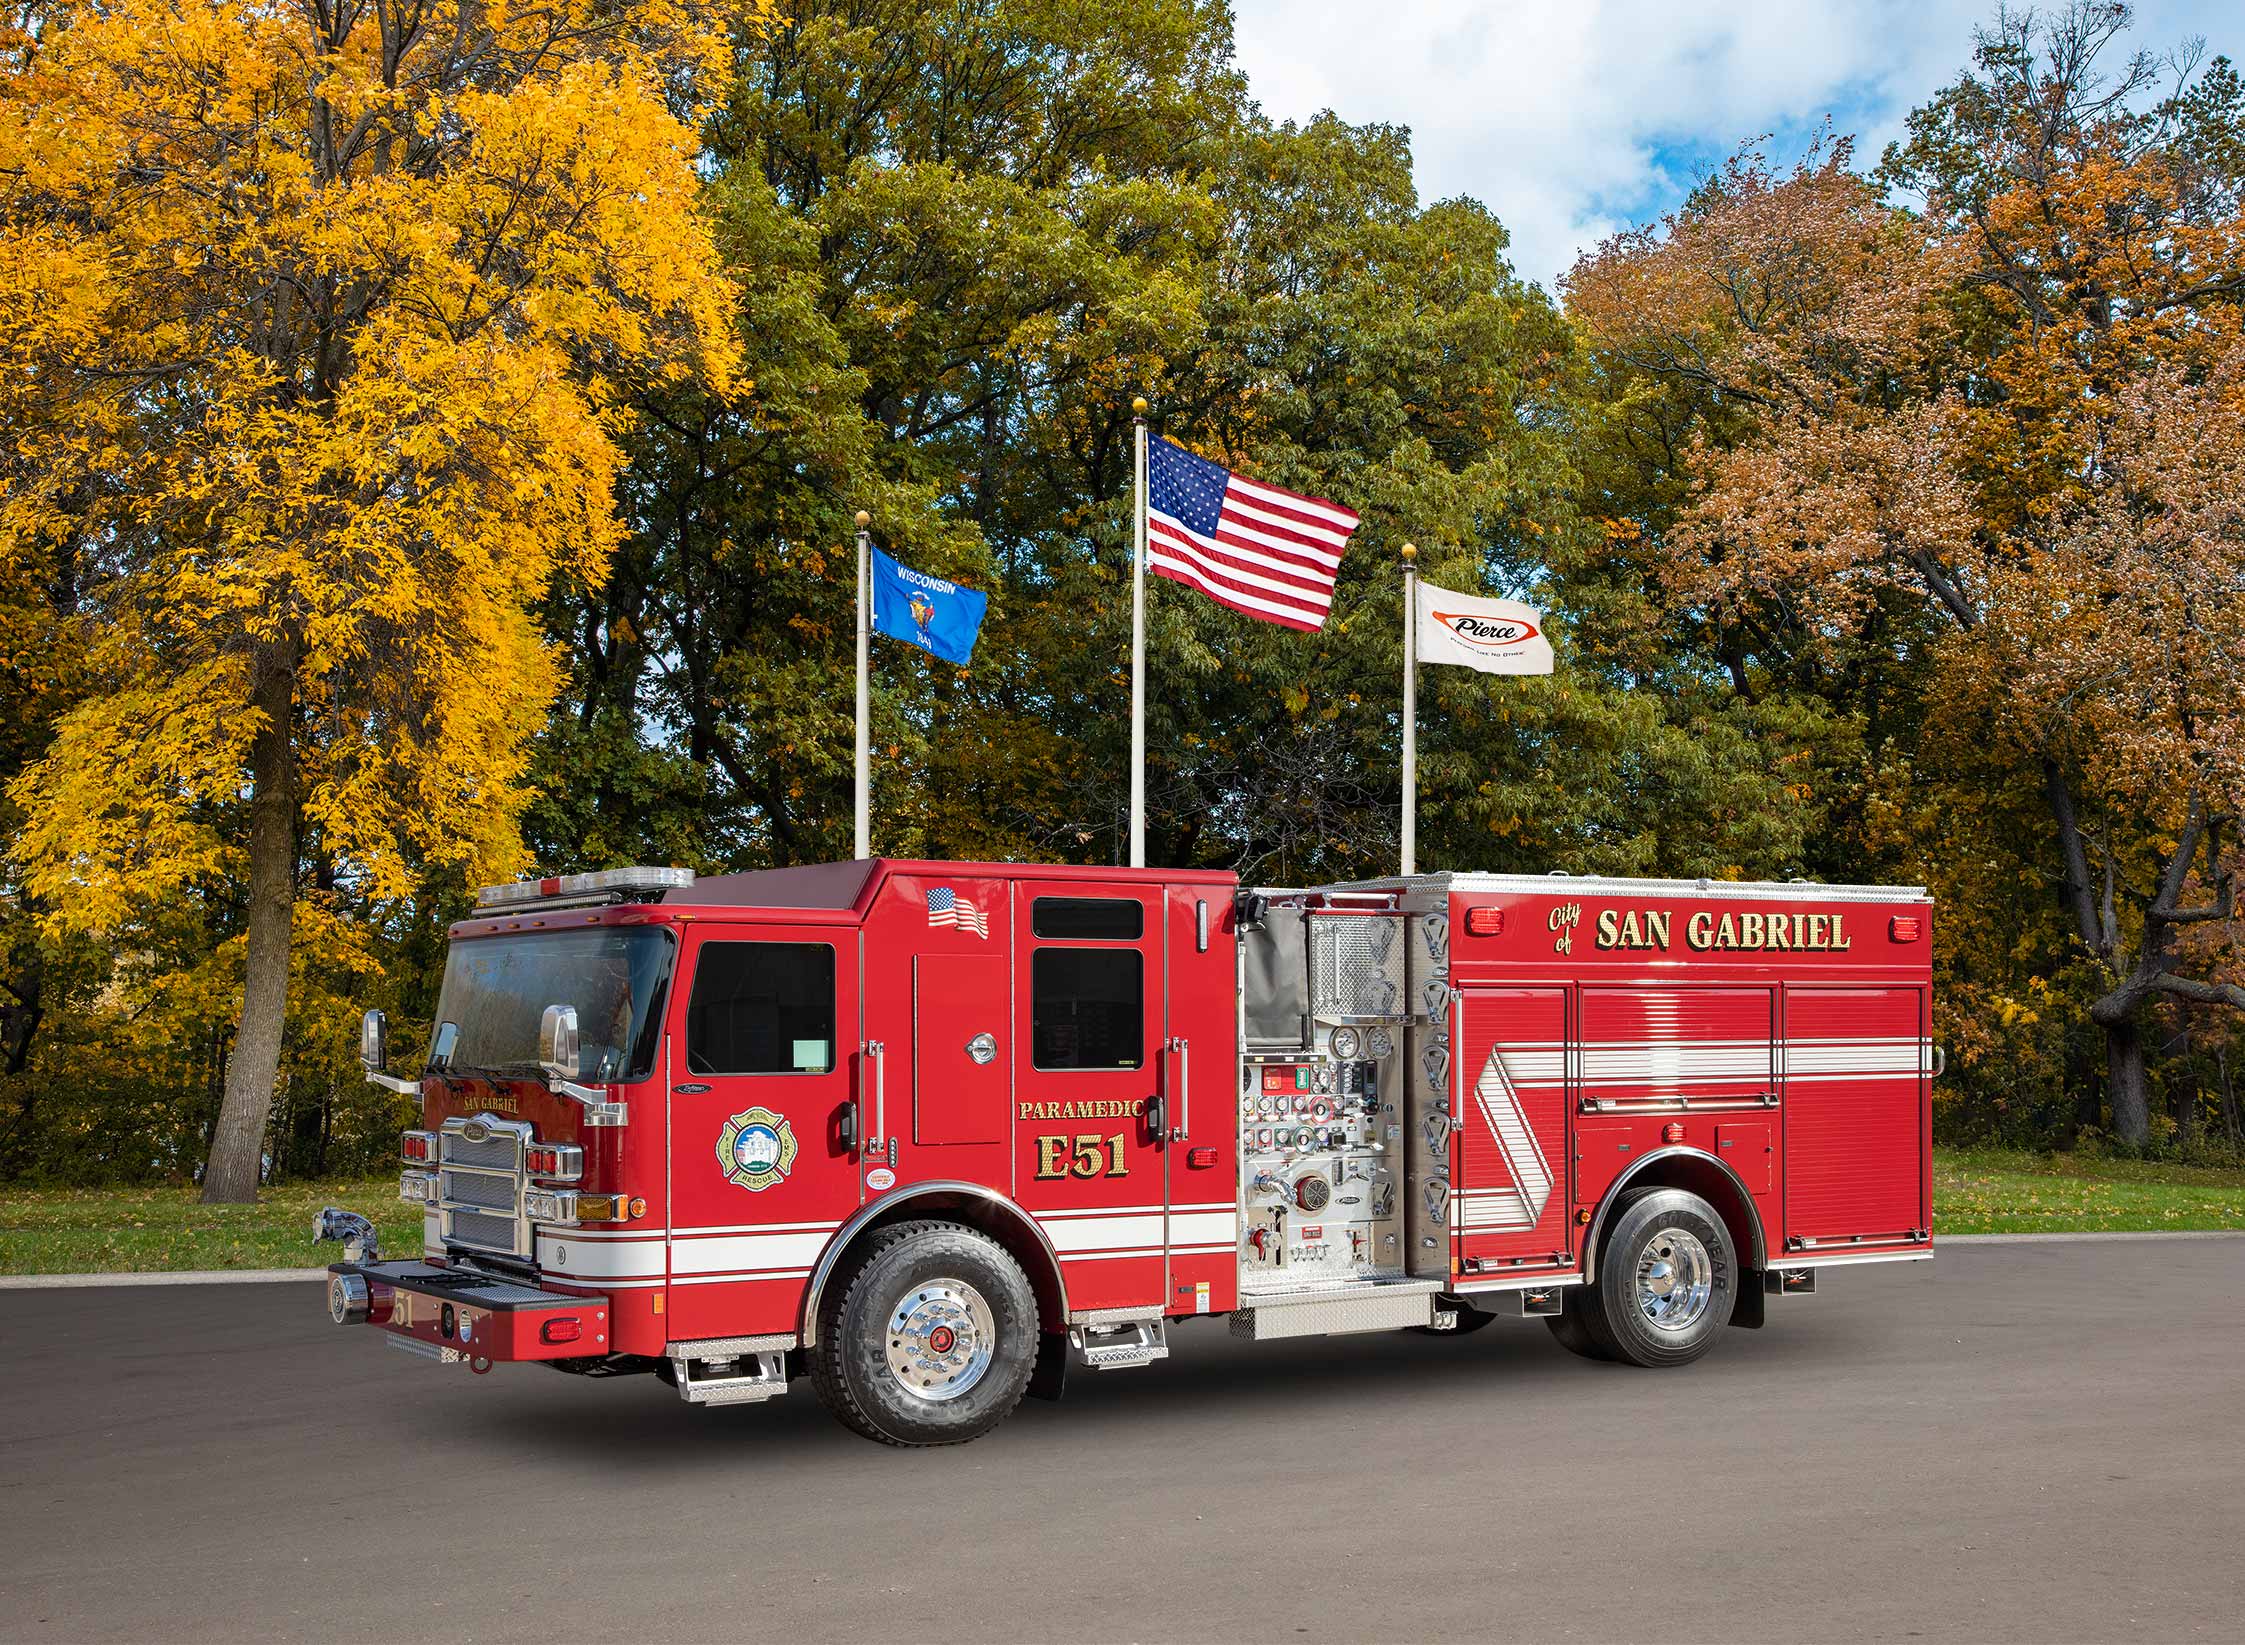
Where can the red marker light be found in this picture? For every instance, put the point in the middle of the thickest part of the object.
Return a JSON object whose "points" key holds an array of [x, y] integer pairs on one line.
{"points": [[1484, 922], [1904, 928], [1673, 1131], [1200, 1159], [561, 1330]]}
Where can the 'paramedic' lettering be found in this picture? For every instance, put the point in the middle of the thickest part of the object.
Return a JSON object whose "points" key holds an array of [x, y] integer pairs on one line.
{"points": [[1115, 1109], [1651, 929]]}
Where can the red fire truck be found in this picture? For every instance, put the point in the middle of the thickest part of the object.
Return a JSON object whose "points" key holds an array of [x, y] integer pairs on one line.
{"points": [[929, 1133]]}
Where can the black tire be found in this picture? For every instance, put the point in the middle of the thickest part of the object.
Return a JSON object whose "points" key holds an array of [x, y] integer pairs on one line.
{"points": [[935, 1275], [1678, 1239], [1571, 1325]]}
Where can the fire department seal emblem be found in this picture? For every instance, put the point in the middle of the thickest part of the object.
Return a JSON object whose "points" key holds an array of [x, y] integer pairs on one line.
{"points": [[756, 1148]]}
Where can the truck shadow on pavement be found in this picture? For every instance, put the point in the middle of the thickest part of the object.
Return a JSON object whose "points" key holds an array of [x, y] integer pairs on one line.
{"points": [[638, 1426]]}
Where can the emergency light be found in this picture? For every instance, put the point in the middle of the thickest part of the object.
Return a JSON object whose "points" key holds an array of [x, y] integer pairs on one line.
{"points": [[621, 881]]}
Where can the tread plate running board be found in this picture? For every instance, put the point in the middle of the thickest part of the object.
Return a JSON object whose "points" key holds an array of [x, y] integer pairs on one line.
{"points": [[1380, 1309], [1122, 1344], [760, 1376]]}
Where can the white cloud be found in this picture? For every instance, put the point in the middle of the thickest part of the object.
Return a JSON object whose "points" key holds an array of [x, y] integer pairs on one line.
{"points": [[1570, 118]]}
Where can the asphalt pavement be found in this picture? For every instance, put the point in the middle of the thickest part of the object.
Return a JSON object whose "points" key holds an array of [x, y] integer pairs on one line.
{"points": [[2032, 1442]]}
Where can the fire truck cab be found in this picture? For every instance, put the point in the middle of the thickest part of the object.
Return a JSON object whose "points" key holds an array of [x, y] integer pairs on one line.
{"points": [[929, 1133]]}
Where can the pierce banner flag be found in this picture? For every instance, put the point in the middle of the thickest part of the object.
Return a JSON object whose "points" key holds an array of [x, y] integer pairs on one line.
{"points": [[1469, 631]]}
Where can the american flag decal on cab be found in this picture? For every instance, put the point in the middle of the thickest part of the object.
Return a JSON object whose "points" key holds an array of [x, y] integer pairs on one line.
{"points": [[946, 907]]}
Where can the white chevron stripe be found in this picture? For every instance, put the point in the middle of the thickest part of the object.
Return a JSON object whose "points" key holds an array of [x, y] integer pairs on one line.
{"points": [[1531, 1172]]}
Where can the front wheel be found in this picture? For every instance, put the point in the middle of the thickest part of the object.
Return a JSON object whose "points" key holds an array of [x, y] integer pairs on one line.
{"points": [[933, 1339], [1667, 1280]]}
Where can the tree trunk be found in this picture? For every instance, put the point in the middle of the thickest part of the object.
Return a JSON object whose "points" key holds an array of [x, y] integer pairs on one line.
{"points": [[237, 1145], [2230, 1122], [2124, 1082]]}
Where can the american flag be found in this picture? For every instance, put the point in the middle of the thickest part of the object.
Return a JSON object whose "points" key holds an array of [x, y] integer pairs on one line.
{"points": [[1269, 553], [945, 907]]}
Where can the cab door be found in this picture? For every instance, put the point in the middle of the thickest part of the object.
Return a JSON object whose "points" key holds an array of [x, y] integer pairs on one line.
{"points": [[1091, 1160], [760, 1073]]}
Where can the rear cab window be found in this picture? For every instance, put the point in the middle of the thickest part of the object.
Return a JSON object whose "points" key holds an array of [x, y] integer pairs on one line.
{"points": [[1087, 1004]]}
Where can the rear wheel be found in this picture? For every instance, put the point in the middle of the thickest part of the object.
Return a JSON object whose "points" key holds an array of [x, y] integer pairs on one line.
{"points": [[1667, 1280], [931, 1341]]}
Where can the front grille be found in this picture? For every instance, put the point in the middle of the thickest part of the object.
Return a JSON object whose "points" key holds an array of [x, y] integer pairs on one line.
{"points": [[474, 1188], [500, 1151], [475, 1228], [480, 1182]]}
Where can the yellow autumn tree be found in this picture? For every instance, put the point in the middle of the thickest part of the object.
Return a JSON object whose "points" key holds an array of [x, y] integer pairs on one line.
{"points": [[318, 322]]}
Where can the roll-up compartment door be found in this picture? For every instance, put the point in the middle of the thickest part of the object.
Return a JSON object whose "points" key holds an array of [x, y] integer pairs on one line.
{"points": [[1701, 1047], [1854, 1106]]}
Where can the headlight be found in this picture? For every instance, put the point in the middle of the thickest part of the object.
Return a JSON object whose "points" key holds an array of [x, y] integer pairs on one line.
{"points": [[550, 1205]]}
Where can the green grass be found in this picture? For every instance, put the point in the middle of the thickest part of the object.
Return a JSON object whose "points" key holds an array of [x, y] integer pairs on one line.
{"points": [[147, 1230], [1990, 1191], [142, 1230]]}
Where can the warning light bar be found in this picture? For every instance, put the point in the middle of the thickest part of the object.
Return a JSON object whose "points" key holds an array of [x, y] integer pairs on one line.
{"points": [[621, 881]]}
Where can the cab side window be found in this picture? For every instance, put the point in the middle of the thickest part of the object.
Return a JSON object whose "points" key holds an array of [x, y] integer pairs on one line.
{"points": [[1087, 1006], [761, 1008]]}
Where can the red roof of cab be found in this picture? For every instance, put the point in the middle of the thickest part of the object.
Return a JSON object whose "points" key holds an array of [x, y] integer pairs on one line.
{"points": [[840, 885]]}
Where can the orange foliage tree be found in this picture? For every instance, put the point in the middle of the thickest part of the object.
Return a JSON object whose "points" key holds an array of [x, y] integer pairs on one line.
{"points": [[2016, 411]]}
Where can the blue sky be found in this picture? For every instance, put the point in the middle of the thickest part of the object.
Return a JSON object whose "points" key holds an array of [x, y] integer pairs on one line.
{"points": [[1571, 118]]}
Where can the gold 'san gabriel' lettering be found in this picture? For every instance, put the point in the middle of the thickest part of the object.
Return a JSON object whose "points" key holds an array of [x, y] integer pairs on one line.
{"points": [[1704, 929]]}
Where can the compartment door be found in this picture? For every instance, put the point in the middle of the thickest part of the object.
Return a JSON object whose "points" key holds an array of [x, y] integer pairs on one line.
{"points": [[1511, 1103], [961, 1060], [1855, 1113], [1666, 1050]]}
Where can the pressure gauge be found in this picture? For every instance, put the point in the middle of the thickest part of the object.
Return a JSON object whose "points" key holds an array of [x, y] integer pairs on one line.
{"points": [[1377, 1044], [1346, 1043]]}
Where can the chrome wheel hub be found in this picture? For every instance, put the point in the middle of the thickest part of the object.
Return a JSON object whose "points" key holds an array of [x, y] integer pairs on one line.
{"points": [[940, 1339], [1675, 1279]]}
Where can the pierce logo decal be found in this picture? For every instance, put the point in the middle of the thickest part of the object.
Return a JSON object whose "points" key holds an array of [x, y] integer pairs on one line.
{"points": [[1487, 633], [756, 1149]]}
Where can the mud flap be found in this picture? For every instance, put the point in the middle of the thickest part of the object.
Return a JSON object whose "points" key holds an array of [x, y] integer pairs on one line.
{"points": [[1751, 1306], [1051, 1374]]}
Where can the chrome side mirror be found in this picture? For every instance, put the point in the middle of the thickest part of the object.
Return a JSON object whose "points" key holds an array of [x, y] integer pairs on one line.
{"points": [[557, 1042], [374, 1042]]}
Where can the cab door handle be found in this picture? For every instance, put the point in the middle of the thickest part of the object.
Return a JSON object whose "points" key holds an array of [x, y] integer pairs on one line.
{"points": [[1184, 1053]]}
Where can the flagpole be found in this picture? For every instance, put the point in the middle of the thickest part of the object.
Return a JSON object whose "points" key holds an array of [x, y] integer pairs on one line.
{"points": [[1410, 710], [1138, 643], [864, 627]]}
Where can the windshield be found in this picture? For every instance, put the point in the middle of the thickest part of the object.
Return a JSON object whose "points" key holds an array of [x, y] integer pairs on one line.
{"points": [[496, 989]]}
